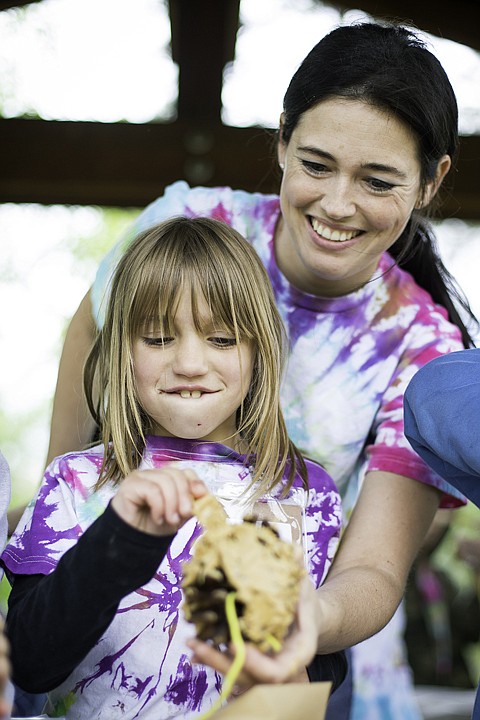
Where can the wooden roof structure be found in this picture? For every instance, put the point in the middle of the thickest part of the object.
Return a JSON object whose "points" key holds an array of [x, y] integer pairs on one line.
{"points": [[122, 164]]}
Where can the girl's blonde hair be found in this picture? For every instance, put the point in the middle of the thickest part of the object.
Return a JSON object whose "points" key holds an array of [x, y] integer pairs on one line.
{"points": [[213, 261]]}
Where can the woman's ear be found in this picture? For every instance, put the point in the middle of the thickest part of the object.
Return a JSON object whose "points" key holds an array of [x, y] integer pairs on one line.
{"points": [[432, 187], [281, 146]]}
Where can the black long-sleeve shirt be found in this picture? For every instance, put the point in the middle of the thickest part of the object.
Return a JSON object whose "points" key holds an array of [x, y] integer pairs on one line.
{"points": [[54, 620]]}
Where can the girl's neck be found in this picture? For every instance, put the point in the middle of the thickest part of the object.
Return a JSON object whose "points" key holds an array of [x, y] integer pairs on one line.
{"points": [[236, 442]]}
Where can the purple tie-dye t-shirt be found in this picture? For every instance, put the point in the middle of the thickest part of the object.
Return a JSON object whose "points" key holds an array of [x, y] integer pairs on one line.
{"points": [[351, 357], [141, 666]]}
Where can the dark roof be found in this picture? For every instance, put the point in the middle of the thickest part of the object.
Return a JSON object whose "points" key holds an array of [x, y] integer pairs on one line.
{"points": [[129, 164]]}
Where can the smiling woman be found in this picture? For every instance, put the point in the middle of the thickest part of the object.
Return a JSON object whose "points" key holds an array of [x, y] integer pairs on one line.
{"points": [[357, 196]]}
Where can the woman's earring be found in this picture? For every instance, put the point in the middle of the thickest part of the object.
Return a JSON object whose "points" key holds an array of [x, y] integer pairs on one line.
{"points": [[282, 166]]}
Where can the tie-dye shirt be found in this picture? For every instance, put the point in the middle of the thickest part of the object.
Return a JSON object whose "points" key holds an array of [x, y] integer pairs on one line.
{"points": [[141, 666], [351, 357]]}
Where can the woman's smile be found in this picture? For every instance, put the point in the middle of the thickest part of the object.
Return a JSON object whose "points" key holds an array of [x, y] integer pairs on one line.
{"points": [[351, 182], [335, 235]]}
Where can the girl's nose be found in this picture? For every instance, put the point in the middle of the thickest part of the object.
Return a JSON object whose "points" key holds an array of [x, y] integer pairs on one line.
{"points": [[190, 357], [337, 201]]}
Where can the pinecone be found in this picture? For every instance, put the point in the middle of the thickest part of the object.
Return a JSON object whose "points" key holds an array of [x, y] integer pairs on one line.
{"points": [[250, 560]]}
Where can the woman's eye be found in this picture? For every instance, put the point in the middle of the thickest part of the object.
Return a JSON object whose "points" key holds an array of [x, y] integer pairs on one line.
{"points": [[314, 167], [379, 185]]}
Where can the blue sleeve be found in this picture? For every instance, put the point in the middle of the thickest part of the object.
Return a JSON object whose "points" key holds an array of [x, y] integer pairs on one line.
{"points": [[442, 418]]}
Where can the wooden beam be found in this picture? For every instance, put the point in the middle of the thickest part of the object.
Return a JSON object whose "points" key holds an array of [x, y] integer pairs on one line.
{"points": [[122, 164], [458, 21], [7, 4], [203, 41]]}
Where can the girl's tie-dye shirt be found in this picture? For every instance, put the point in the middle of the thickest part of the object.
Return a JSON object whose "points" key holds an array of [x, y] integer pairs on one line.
{"points": [[351, 357], [141, 666]]}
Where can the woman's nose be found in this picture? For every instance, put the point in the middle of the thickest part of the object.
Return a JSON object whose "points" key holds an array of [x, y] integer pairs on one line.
{"points": [[190, 357], [337, 200]]}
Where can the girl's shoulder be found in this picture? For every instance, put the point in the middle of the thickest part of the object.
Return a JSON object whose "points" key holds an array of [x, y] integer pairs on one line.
{"points": [[77, 468], [319, 479]]}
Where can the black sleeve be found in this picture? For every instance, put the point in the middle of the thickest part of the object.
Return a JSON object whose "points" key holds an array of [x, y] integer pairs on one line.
{"points": [[54, 620]]}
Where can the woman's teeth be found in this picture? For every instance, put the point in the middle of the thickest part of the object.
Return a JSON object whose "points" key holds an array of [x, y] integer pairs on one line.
{"points": [[190, 394], [333, 235]]}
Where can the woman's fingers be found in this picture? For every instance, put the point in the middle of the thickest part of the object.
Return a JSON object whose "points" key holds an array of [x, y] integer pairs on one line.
{"points": [[297, 652], [258, 667]]}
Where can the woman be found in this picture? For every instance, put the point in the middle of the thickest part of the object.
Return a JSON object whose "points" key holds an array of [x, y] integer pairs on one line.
{"points": [[367, 136]]}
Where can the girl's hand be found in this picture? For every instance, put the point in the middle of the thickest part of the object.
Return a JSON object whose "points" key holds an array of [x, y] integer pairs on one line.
{"points": [[297, 652], [158, 501]]}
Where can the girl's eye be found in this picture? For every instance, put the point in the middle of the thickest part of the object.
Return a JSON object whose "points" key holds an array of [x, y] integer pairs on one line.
{"points": [[156, 341], [315, 168], [379, 185], [224, 342]]}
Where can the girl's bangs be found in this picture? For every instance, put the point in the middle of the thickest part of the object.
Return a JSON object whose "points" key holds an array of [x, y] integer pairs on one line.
{"points": [[155, 300]]}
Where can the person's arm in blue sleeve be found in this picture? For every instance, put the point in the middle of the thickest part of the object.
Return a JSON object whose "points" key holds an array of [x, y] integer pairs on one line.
{"points": [[442, 418]]}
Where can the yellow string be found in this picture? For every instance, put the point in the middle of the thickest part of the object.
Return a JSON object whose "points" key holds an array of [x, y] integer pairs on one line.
{"points": [[239, 659], [275, 644]]}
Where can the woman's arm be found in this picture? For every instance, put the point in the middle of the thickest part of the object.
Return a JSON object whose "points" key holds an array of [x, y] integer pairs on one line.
{"points": [[365, 583], [71, 425], [368, 576]]}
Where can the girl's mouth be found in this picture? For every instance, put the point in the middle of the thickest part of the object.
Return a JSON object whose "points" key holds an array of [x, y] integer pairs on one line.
{"points": [[327, 233], [195, 394]]}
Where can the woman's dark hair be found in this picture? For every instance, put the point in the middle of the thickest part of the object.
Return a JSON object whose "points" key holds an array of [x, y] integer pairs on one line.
{"points": [[389, 67]]}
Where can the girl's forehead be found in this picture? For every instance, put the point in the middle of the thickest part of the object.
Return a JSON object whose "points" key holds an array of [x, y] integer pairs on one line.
{"points": [[184, 305]]}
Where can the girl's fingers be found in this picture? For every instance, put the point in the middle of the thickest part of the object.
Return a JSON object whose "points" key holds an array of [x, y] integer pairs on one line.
{"points": [[157, 498], [179, 488]]}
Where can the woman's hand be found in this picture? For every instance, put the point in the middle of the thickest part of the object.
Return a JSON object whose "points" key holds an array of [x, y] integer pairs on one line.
{"points": [[283, 667], [158, 501]]}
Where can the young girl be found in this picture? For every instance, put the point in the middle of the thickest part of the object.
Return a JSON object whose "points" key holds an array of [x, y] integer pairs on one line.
{"points": [[183, 381]]}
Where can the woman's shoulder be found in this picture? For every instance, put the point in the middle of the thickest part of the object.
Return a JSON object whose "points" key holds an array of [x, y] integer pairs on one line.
{"points": [[403, 289], [254, 215], [413, 306], [235, 207]]}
